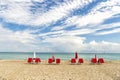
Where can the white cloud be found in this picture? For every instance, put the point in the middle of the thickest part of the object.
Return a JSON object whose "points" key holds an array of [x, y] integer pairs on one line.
{"points": [[59, 12], [57, 28], [16, 41], [78, 32], [103, 46], [25, 41], [117, 30], [108, 26], [75, 43], [20, 36], [66, 33], [58, 39], [15, 11], [51, 33], [38, 0], [97, 15], [106, 6], [81, 21], [65, 43], [20, 12]]}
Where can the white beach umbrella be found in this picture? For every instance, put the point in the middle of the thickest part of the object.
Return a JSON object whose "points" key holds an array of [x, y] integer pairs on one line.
{"points": [[34, 54]]}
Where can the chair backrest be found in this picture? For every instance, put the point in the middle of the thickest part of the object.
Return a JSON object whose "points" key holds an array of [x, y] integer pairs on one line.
{"points": [[30, 60], [94, 60], [50, 60], [100, 60], [57, 60], [73, 60], [80, 60]]}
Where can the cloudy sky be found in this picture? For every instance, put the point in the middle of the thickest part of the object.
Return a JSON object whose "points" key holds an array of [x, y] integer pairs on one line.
{"points": [[60, 25]]}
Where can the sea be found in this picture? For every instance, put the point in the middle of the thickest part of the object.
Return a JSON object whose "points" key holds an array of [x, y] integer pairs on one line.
{"points": [[62, 55]]}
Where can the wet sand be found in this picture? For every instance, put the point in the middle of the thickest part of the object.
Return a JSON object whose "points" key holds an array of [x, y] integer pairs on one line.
{"points": [[21, 70]]}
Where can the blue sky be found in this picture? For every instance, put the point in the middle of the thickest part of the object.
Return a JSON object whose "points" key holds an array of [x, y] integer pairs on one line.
{"points": [[60, 25]]}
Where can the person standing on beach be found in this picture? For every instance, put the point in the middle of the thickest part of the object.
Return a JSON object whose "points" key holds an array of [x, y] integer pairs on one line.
{"points": [[53, 58]]}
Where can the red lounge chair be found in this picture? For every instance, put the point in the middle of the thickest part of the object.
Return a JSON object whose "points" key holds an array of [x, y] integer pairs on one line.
{"points": [[73, 60], [80, 60], [94, 60], [57, 60], [37, 60], [100, 60], [30, 60], [50, 60]]}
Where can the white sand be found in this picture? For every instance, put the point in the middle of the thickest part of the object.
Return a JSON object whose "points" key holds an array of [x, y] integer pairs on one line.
{"points": [[21, 70]]}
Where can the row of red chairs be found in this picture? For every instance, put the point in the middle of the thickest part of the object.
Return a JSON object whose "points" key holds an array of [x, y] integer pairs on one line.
{"points": [[76, 60], [51, 60], [73, 60], [34, 60], [37, 60], [94, 60], [80, 60], [57, 60]]}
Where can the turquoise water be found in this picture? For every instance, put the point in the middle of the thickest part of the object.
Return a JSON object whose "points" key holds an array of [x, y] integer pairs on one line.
{"points": [[63, 56]]}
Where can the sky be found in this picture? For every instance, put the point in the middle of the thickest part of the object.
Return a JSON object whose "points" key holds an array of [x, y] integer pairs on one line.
{"points": [[86, 26]]}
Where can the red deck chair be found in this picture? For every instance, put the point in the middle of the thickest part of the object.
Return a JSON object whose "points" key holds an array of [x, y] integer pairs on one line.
{"points": [[73, 60], [100, 60], [37, 60], [80, 60], [50, 60], [94, 60], [30, 60], [57, 60]]}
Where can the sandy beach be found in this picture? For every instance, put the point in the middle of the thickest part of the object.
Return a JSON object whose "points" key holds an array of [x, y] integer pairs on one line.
{"points": [[21, 70]]}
